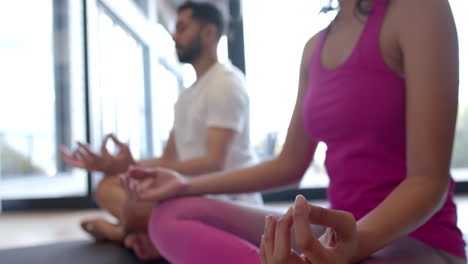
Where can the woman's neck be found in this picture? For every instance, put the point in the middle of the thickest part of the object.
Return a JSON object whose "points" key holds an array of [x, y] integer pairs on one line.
{"points": [[347, 9]]}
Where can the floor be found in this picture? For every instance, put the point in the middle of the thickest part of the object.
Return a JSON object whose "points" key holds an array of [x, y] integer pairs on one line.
{"points": [[21, 229]]}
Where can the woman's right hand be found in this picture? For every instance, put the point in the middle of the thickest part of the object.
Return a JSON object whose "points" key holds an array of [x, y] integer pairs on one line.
{"points": [[153, 184]]}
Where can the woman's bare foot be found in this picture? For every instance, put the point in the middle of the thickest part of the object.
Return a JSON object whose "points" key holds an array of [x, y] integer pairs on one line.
{"points": [[142, 246], [102, 229]]}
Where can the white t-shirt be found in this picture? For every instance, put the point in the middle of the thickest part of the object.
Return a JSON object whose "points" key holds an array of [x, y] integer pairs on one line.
{"points": [[217, 99]]}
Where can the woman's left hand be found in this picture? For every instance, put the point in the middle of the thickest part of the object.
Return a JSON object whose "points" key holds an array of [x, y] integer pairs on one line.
{"points": [[275, 247], [152, 184], [337, 245]]}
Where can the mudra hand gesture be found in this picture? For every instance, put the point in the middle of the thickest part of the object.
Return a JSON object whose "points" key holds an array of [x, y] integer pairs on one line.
{"points": [[110, 164], [153, 184], [337, 245]]}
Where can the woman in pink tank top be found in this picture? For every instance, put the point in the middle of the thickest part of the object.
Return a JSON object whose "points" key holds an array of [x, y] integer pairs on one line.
{"points": [[380, 87]]}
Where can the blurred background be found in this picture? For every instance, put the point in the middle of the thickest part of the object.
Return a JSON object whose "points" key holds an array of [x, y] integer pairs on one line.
{"points": [[75, 70]]}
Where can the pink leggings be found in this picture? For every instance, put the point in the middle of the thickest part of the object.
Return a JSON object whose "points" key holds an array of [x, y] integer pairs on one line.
{"points": [[200, 230]]}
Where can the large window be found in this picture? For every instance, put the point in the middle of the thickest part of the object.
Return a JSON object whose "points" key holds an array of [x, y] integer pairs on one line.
{"points": [[274, 41], [168, 81], [42, 69], [74, 71], [134, 79], [119, 104]]}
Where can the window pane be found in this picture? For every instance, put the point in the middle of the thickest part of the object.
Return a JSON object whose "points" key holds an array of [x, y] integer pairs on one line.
{"points": [[274, 41], [119, 93], [142, 6], [42, 68], [166, 84]]}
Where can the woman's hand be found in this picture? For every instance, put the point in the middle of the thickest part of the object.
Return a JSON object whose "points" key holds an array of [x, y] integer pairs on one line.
{"points": [[337, 245], [83, 157], [275, 247], [155, 184]]}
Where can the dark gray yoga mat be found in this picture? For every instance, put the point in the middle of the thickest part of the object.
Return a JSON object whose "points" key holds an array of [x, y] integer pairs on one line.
{"points": [[75, 252]]}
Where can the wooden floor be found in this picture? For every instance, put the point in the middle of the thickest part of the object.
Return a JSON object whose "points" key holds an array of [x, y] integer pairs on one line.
{"points": [[21, 229]]}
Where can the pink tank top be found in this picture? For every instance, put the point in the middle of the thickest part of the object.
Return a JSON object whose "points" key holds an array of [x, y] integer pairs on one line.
{"points": [[358, 110]]}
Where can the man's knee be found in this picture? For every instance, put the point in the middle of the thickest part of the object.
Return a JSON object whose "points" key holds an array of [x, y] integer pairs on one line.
{"points": [[107, 187]]}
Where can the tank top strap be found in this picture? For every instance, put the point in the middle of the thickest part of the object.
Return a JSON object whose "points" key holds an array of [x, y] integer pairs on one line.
{"points": [[375, 18], [368, 51], [315, 63]]}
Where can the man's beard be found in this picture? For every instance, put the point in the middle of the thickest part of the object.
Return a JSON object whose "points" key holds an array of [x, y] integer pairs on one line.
{"points": [[191, 52]]}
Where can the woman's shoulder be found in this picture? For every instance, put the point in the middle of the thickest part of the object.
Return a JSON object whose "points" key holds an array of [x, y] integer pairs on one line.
{"points": [[309, 49], [408, 10], [311, 44], [416, 19]]}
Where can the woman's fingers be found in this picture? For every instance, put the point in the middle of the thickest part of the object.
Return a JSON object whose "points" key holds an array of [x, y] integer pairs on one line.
{"points": [[305, 239], [343, 223], [297, 259], [263, 256], [269, 236], [140, 182], [155, 184], [124, 182], [275, 247], [141, 173], [130, 186], [157, 192], [283, 237]]}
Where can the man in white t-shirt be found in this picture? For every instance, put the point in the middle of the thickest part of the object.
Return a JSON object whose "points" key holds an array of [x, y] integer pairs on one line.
{"points": [[210, 132], [216, 103]]}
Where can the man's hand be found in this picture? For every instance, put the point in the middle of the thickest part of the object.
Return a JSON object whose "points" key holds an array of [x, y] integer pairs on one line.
{"points": [[83, 157]]}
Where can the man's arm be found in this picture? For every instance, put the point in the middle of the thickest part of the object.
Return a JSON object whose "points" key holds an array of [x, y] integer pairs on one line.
{"points": [[218, 143]]}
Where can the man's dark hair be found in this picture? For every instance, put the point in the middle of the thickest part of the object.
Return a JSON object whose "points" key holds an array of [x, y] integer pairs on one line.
{"points": [[206, 13]]}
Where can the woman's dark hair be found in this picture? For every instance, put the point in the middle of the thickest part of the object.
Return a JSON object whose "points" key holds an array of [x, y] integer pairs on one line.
{"points": [[361, 7], [206, 13]]}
